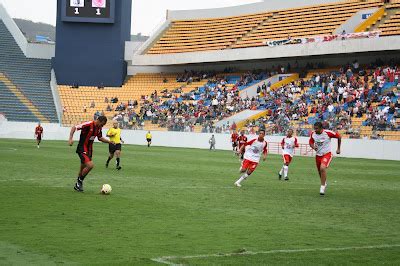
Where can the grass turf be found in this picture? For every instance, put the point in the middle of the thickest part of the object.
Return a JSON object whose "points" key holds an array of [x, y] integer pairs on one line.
{"points": [[181, 202]]}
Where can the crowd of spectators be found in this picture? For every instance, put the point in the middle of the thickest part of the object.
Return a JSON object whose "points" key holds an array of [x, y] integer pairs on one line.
{"points": [[337, 98]]}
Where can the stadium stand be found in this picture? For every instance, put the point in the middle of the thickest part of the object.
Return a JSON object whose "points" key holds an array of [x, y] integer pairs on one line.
{"points": [[252, 30], [25, 82]]}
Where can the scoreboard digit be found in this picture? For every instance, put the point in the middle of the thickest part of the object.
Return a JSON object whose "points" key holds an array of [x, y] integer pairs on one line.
{"points": [[94, 11]]}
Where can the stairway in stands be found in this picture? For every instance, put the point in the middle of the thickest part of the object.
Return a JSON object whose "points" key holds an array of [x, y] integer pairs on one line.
{"points": [[28, 79]]}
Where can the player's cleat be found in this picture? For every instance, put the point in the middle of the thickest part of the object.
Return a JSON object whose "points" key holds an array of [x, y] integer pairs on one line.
{"points": [[287, 178], [237, 184], [322, 190], [106, 165], [119, 168], [78, 187], [38, 146], [279, 176]]}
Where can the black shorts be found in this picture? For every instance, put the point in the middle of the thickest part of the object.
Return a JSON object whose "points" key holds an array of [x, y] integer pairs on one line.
{"points": [[85, 158], [39, 138], [148, 140], [114, 147], [234, 144]]}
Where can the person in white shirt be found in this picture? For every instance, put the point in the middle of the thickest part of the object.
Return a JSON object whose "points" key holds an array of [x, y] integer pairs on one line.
{"points": [[320, 141], [252, 155], [288, 144]]}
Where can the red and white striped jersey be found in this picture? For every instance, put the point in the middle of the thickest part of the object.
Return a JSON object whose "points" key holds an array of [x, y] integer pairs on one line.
{"points": [[322, 141], [289, 144], [254, 149]]}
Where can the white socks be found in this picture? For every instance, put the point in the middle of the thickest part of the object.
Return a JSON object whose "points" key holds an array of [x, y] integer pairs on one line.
{"points": [[243, 177], [285, 170]]}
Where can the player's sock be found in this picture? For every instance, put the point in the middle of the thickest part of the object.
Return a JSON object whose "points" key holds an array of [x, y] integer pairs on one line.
{"points": [[286, 171], [243, 177], [281, 173], [118, 161]]}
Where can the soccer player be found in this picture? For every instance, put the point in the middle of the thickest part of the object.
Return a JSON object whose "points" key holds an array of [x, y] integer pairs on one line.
{"points": [[252, 155], [89, 131], [234, 140], [148, 138], [38, 134], [114, 134], [289, 143], [320, 141], [242, 139]]}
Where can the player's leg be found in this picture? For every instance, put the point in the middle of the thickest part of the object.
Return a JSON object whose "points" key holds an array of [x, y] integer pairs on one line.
{"points": [[282, 169], [118, 158], [288, 160], [86, 166], [246, 170], [111, 151], [324, 165]]}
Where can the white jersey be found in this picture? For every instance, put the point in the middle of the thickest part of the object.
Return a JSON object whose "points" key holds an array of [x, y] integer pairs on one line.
{"points": [[322, 141], [288, 145], [254, 149]]}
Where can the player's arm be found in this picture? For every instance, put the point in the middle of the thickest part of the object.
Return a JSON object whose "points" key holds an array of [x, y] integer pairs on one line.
{"points": [[121, 140], [339, 143], [296, 144], [71, 135], [311, 142], [337, 136], [265, 152], [104, 140], [283, 143]]}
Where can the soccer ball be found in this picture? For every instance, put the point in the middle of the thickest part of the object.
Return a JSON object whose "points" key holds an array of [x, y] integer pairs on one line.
{"points": [[106, 189]]}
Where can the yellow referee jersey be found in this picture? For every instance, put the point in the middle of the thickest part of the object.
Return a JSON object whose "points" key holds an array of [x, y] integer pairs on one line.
{"points": [[115, 135], [148, 136]]}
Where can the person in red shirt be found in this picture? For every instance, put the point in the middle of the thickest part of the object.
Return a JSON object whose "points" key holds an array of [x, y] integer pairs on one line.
{"points": [[234, 140], [38, 134], [242, 141], [89, 132]]}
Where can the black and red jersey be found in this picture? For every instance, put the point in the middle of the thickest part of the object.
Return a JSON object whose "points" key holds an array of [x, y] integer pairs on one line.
{"points": [[89, 132], [39, 131], [242, 140], [234, 137]]}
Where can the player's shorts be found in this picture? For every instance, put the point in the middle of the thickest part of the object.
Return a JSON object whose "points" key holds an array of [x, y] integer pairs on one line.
{"points": [[324, 160], [287, 158], [249, 165], [234, 144], [114, 147], [39, 138], [148, 140], [84, 158]]}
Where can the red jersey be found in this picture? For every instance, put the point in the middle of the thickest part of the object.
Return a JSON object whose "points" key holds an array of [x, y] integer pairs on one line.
{"points": [[38, 131], [234, 137], [89, 132], [242, 140]]}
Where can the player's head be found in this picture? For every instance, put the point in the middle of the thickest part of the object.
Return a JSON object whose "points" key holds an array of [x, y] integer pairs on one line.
{"points": [[290, 133], [261, 133], [38, 123], [115, 124], [242, 132], [318, 127], [101, 120], [148, 132]]}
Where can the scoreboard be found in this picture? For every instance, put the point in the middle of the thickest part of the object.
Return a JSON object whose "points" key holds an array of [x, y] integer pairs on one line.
{"points": [[92, 11]]}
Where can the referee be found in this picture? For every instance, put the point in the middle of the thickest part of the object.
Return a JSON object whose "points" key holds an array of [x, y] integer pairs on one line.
{"points": [[114, 134]]}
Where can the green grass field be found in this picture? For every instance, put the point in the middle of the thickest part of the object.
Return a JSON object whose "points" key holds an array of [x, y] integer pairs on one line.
{"points": [[169, 205]]}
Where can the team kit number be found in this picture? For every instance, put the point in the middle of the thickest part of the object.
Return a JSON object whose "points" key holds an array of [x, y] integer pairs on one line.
{"points": [[97, 4]]}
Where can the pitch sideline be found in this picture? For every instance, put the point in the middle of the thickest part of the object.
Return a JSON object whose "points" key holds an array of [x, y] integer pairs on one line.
{"points": [[167, 259]]}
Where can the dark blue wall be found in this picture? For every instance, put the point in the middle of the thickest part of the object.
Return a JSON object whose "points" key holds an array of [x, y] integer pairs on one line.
{"points": [[92, 54]]}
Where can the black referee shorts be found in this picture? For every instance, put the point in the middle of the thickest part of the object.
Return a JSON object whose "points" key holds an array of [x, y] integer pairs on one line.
{"points": [[114, 147]]}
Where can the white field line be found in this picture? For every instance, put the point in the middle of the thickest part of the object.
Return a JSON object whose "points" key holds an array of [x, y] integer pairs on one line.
{"points": [[167, 259]]}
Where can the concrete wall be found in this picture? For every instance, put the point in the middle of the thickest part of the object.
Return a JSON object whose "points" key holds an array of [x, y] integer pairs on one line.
{"points": [[56, 95], [370, 149], [390, 43], [30, 50]]}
